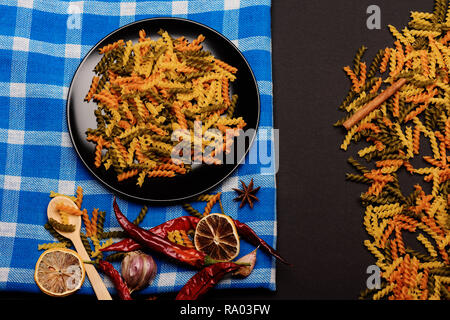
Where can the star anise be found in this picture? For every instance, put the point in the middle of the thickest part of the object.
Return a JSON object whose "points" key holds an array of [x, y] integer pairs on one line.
{"points": [[247, 194]]}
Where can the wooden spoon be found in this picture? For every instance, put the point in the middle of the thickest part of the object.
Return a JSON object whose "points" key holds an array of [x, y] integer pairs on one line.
{"points": [[96, 281]]}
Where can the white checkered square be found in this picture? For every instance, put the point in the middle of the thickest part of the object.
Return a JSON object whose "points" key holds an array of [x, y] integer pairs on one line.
{"points": [[79, 6], [232, 4], [25, 3], [12, 183], [167, 279], [17, 90], [180, 7], [127, 9], [4, 274], [272, 275], [106, 280], [16, 136], [230, 183], [66, 187], [65, 92], [65, 140], [73, 51], [21, 44]]}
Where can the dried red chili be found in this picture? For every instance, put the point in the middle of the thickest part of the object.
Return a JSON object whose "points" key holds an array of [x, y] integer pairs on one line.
{"points": [[161, 245], [120, 285], [205, 279], [182, 223], [246, 232], [125, 245]]}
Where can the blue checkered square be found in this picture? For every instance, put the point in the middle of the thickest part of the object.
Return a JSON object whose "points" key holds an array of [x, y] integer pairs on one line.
{"points": [[252, 15], [213, 19], [25, 217], [41, 108], [2, 159], [7, 25], [91, 32], [41, 161], [5, 68], [52, 67]]}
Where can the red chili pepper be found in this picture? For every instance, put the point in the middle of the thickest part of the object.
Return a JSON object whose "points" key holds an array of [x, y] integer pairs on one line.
{"points": [[120, 285], [161, 245], [246, 232], [188, 223], [182, 223], [205, 279], [125, 245]]}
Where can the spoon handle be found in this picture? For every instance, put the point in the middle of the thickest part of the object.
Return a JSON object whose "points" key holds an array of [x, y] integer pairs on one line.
{"points": [[96, 281]]}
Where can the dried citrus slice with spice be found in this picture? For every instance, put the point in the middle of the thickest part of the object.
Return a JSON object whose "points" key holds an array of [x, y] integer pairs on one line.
{"points": [[59, 272], [216, 236]]}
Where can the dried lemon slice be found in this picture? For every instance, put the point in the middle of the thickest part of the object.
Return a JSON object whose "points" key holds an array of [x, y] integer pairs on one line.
{"points": [[216, 236], [59, 272]]}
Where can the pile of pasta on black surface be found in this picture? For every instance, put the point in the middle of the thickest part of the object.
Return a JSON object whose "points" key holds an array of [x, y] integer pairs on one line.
{"points": [[400, 106]]}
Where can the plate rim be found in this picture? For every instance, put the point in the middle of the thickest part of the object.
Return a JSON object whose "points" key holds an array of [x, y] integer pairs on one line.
{"points": [[174, 200]]}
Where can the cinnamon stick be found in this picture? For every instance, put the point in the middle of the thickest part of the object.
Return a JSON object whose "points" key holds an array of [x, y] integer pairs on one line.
{"points": [[375, 103]]}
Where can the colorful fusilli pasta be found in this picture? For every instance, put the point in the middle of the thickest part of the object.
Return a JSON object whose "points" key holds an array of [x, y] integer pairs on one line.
{"points": [[420, 55], [147, 91]]}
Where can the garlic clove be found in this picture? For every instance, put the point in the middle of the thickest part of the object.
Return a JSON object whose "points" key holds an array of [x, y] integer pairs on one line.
{"points": [[138, 270]]}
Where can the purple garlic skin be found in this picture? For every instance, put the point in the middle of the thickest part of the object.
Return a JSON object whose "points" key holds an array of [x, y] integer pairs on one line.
{"points": [[138, 270]]}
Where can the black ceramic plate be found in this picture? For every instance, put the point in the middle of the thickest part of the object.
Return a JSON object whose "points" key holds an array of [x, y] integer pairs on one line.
{"points": [[80, 114]]}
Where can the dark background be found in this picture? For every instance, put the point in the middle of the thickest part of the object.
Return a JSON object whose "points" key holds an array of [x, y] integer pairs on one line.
{"points": [[320, 224]]}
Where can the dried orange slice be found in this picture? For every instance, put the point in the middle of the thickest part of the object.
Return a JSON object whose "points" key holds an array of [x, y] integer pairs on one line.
{"points": [[216, 236], [59, 272]]}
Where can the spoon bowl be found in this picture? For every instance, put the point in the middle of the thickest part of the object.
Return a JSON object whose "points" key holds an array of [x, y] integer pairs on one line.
{"points": [[53, 213], [96, 281]]}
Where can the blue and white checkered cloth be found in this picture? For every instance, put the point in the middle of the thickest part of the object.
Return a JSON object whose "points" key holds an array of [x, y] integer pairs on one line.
{"points": [[42, 43]]}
